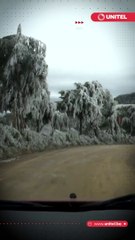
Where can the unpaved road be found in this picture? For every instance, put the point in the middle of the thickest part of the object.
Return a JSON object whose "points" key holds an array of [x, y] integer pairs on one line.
{"points": [[92, 172]]}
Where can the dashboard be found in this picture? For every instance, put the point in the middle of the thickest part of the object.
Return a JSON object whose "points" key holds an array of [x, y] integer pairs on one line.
{"points": [[84, 225]]}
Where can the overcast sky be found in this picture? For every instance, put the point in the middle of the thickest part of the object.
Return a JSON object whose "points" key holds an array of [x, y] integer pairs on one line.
{"points": [[92, 51]]}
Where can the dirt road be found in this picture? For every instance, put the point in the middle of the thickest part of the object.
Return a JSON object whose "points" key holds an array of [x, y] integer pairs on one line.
{"points": [[92, 172]]}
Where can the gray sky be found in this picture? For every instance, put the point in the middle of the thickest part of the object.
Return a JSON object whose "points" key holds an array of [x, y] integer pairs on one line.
{"points": [[92, 51]]}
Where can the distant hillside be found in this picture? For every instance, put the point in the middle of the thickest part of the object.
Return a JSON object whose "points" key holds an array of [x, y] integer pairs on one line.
{"points": [[126, 98]]}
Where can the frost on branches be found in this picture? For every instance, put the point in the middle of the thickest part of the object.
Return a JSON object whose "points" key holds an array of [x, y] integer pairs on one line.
{"points": [[90, 109], [23, 87]]}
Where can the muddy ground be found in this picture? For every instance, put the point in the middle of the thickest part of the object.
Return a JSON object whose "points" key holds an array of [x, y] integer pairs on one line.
{"points": [[92, 172]]}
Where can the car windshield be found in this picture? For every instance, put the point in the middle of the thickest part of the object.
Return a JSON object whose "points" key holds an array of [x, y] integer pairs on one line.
{"points": [[67, 100]]}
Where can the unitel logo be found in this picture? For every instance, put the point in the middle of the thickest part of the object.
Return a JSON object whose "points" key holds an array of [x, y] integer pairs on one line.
{"points": [[113, 16], [101, 17]]}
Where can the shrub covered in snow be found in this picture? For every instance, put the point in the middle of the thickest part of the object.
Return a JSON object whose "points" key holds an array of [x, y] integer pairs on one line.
{"points": [[12, 141], [35, 141], [10, 136], [59, 138], [73, 136], [105, 137], [47, 130]]}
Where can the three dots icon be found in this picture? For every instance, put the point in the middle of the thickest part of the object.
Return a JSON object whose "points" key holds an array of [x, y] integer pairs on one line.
{"points": [[79, 22]]}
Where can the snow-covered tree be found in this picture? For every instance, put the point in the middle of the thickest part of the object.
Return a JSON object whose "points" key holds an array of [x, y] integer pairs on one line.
{"points": [[127, 115], [23, 87], [89, 104]]}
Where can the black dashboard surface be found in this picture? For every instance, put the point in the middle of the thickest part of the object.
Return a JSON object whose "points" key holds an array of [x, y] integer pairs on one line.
{"points": [[46, 225]]}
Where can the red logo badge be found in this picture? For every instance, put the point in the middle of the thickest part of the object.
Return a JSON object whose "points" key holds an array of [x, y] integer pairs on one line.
{"points": [[106, 223], [113, 17]]}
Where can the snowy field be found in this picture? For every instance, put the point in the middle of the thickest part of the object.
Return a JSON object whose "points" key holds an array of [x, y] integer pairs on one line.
{"points": [[92, 172]]}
